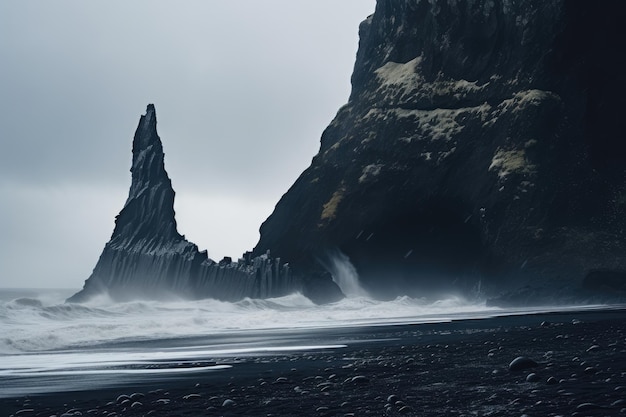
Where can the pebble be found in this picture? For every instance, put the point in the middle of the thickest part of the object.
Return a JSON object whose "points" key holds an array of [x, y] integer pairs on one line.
{"points": [[552, 381], [229, 403], [136, 404], [593, 348], [532, 377], [24, 411], [587, 406], [522, 363], [392, 399], [122, 398], [590, 370], [359, 379]]}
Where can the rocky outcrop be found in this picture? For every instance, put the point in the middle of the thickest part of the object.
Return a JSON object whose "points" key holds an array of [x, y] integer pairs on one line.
{"points": [[483, 148], [147, 257]]}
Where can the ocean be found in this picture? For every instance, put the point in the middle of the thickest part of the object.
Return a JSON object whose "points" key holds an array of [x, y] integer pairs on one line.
{"points": [[48, 346]]}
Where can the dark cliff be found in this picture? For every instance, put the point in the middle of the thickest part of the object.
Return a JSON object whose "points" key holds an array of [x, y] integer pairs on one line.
{"points": [[483, 146], [147, 258]]}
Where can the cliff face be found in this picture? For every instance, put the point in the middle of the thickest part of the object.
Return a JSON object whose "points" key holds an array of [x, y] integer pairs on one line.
{"points": [[483, 142], [147, 257]]}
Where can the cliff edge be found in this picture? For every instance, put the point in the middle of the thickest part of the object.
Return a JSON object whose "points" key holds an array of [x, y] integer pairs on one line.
{"points": [[482, 149]]}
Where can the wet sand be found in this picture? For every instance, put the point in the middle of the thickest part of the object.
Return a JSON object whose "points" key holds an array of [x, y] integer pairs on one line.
{"points": [[449, 369]]}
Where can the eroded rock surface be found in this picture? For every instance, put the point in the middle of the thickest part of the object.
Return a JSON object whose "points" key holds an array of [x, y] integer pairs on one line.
{"points": [[147, 257], [482, 148]]}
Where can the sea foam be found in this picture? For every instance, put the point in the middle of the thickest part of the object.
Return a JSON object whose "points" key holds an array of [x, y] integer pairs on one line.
{"points": [[37, 324]]}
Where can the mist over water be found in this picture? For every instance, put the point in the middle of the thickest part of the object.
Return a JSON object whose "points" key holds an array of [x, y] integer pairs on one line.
{"points": [[44, 322]]}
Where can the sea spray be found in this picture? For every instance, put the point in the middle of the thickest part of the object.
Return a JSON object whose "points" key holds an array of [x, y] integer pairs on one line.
{"points": [[32, 326], [344, 274]]}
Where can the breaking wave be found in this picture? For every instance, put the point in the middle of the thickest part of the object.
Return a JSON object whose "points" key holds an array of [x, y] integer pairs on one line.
{"points": [[41, 323]]}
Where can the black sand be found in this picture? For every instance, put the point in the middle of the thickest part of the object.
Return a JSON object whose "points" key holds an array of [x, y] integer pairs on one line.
{"points": [[451, 369]]}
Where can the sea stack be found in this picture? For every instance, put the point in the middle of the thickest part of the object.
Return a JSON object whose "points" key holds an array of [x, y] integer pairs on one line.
{"points": [[146, 257], [483, 148], [482, 151]]}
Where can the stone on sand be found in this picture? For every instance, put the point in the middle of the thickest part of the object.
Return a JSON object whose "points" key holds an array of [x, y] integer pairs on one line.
{"points": [[522, 363]]}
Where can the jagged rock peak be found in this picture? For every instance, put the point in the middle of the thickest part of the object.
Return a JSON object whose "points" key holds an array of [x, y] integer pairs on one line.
{"points": [[148, 157], [146, 134], [148, 213], [147, 258]]}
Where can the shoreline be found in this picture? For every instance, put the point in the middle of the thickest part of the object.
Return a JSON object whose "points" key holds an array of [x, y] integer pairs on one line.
{"points": [[452, 368]]}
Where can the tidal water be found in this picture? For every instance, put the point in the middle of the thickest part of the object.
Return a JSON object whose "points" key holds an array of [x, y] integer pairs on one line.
{"points": [[47, 345]]}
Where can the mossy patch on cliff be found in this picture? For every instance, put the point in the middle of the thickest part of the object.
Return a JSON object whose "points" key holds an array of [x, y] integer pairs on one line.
{"points": [[329, 210]]}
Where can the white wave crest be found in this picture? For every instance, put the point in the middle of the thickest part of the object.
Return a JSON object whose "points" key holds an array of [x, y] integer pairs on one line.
{"points": [[34, 325]]}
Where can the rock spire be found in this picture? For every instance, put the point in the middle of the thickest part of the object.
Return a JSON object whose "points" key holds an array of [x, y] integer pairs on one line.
{"points": [[146, 257]]}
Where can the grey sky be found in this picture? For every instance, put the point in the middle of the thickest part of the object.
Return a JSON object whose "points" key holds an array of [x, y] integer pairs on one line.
{"points": [[242, 89]]}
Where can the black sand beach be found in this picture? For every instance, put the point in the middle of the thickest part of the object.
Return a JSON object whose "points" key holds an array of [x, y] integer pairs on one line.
{"points": [[450, 369]]}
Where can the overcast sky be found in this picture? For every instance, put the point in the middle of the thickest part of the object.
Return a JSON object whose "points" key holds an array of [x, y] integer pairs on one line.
{"points": [[243, 90]]}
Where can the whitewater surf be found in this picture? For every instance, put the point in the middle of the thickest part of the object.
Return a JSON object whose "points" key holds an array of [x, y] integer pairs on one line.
{"points": [[46, 343]]}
